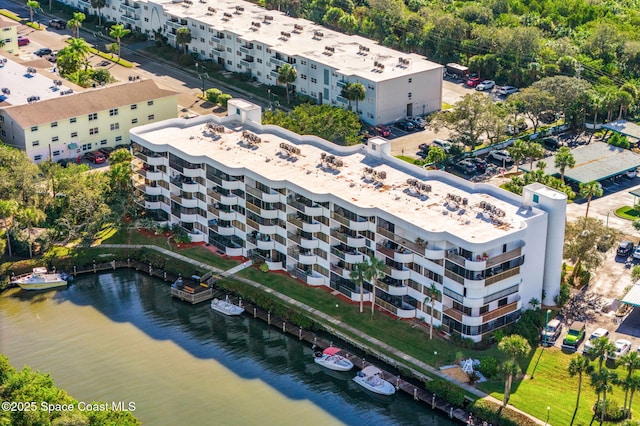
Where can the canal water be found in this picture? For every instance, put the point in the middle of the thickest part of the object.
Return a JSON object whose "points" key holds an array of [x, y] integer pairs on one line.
{"points": [[121, 337]]}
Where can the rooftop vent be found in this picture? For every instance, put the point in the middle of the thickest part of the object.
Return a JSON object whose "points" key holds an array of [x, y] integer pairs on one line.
{"points": [[211, 10], [331, 160], [268, 19], [317, 35], [297, 28], [251, 138], [290, 149], [239, 9], [363, 50], [31, 99], [284, 35], [227, 16], [329, 50], [215, 128], [255, 25]]}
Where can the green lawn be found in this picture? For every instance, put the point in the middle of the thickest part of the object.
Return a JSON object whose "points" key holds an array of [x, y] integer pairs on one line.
{"points": [[628, 212]]}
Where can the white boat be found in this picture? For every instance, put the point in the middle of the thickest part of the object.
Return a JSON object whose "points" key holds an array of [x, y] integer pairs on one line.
{"points": [[330, 359], [40, 279], [371, 378], [226, 307]]}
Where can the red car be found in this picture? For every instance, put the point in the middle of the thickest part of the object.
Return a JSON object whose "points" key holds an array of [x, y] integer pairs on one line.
{"points": [[473, 82], [95, 157], [23, 41], [383, 131]]}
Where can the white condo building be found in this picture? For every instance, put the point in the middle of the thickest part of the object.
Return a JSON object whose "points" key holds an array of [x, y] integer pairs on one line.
{"points": [[315, 209], [246, 38]]}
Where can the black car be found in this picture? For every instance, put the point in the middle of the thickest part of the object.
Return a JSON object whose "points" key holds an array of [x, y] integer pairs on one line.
{"points": [[466, 166], [551, 143], [625, 248], [43, 51], [57, 23], [122, 146], [107, 150], [424, 148], [405, 125], [65, 162], [481, 165]]}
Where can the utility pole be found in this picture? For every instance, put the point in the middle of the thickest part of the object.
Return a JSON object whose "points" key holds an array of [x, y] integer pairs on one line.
{"points": [[578, 70]]}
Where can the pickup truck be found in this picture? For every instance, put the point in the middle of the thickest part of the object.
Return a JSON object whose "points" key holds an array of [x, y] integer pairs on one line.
{"points": [[574, 336]]}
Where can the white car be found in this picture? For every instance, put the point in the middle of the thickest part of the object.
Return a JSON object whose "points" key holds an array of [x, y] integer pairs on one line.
{"points": [[486, 85], [507, 90], [636, 253], [419, 122], [500, 155], [622, 347], [598, 333], [442, 144]]}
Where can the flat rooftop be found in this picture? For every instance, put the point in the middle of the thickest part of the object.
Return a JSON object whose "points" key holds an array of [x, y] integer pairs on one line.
{"points": [[347, 57], [595, 161], [355, 181], [624, 127]]}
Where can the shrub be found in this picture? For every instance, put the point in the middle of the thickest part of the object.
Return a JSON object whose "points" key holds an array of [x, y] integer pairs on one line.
{"points": [[447, 391], [619, 140], [489, 366], [264, 267], [497, 415], [223, 99], [565, 291], [612, 412], [213, 94]]}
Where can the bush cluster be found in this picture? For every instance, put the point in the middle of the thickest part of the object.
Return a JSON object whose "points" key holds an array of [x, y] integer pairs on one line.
{"points": [[528, 327], [497, 415], [489, 367], [612, 412], [446, 391], [619, 140], [217, 97]]}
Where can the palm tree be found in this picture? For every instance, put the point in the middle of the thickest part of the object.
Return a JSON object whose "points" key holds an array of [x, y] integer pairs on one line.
{"points": [[533, 152], [183, 37], [32, 5], [602, 347], [579, 365], [357, 276], [346, 94], [603, 382], [633, 385], [118, 31], [287, 74], [8, 209], [564, 159], [590, 190], [76, 22], [631, 361], [98, 4], [29, 217], [518, 151], [79, 50], [357, 92], [373, 268], [514, 346], [432, 294]]}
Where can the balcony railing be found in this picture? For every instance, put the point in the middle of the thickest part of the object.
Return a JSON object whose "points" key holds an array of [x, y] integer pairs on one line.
{"points": [[501, 311], [504, 257], [499, 277], [453, 313]]}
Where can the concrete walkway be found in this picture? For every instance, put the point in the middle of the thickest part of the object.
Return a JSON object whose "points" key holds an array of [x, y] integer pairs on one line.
{"points": [[333, 325]]}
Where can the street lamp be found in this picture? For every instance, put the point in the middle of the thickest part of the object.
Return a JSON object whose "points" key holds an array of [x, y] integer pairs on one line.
{"points": [[548, 412], [201, 76], [546, 327]]}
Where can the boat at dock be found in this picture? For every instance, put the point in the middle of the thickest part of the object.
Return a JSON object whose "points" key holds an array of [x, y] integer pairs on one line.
{"points": [[40, 279], [371, 379], [226, 307], [329, 358]]}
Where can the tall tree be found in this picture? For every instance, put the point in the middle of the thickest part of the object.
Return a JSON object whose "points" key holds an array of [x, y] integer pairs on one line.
{"points": [[30, 217], [601, 348], [436, 156], [534, 152], [570, 93], [357, 93], [118, 31], [76, 22], [183, 38], [532, 103], [8, 209], [602, 382], [590, 190], [564, 159], [581, 242], [633, 385], [631, 362], [98, 5], [32, 5], [287, 74], [357, 276], [515, 347], [518, 151], [433, 294], [373, 270], [578, 366]]}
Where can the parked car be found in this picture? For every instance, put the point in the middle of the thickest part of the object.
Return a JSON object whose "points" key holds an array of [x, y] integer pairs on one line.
{"points": [[500, 155], [598, 333], [58, 24], [625, 248], [551, 332], [466, 166], [481, 165], [424, 147], [122, 146], [473, 82], [442, 144], [405, 125], [574, 336], [631, 173], [106, 151], [23, 41], [383, 131], [64, 162], [551, 143], [42, 51], [486, 85], [622, 347], [95, 157], [549, 117], [636, 253], [507, 90], [514, 129], [419, 122]]}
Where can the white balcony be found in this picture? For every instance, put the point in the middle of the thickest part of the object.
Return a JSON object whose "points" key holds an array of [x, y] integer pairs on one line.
{"points": [[307, 259], [227, 215], [153, 190], [266, 245], [356, 242], [397, 290], [274, 266], [190, 187], [403, 257], [233, 251], [229, 200], [311, 227], [157, 161], [354, 258], [193, 173], [317, 279], [269, 214], [188, 217], [399, 274], [154, 175], [189, 202], [314, 210], [233, 184], [361, 226], [267, 229], [152, 205], [435, 254], [309, 244], [273, 197], [226, 230]]}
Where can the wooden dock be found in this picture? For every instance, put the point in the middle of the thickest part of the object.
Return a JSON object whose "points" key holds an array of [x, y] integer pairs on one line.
{"points": [[192, 297]]}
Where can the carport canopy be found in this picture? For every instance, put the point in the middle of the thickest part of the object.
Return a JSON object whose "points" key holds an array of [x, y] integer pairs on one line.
{"points": [[625, 128], [594, 162], [633, 296]]}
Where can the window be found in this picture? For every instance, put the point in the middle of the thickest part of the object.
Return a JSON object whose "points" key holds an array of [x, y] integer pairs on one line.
{"points": [[103, 142], [113, 112], [303, 76], [268, 50], [72, 120], [93, 131], [86, 147], [134, 106], [118, 138], [484, 309], [134, 120], [146, 19], [115, 126], [409, 95], [54, 139], [229, 62], [229, 49], [410, 79], [35, 143], [313, 66], [536, 198], [303, 62], [313, 80], [502, 302], [259, 47], [55, 153], [149, 103], [37, 158], [74, 134], [54, 124], [202, 27], [34, 128], [93, 116], [259, 60], [151, 117], [229, 36]]}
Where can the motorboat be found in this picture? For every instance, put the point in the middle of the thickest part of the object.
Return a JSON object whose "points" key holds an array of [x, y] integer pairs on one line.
{"points": [[371, 379], [226, 307], [40, 279], [330, 359]]}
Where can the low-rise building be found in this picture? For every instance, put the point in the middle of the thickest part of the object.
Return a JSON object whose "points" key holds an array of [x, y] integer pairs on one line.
{"points": [[9, 35], [315, 209], [49, 120]]}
